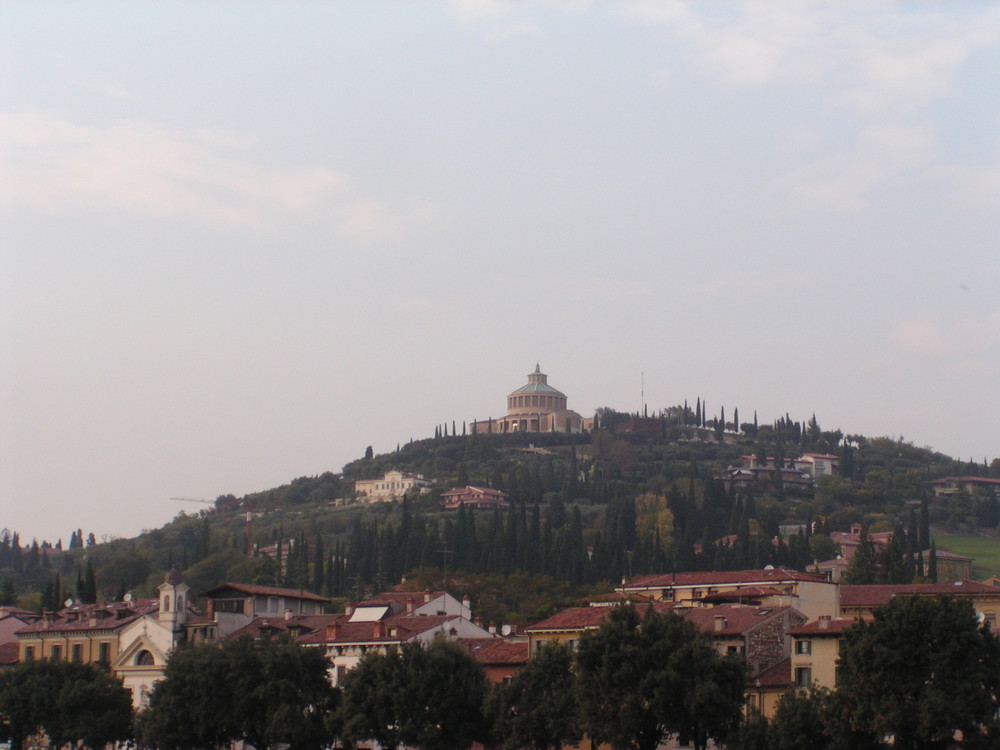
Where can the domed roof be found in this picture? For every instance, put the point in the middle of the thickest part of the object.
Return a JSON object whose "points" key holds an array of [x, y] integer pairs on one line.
{"points": [[537, 384]]}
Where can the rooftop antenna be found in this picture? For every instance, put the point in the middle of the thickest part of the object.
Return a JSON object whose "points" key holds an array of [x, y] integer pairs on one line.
{"points": [[642, 391]]}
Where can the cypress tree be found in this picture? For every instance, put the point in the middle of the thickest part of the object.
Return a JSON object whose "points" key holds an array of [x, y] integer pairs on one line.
{"points": [[932, 571], [925, 525]]}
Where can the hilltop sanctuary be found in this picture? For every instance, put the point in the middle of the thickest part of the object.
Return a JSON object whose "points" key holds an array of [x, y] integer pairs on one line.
{"points": [[534, 407]]}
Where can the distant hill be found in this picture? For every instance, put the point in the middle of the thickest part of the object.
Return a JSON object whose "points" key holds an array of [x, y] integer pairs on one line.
{"points": [[639, 494]]}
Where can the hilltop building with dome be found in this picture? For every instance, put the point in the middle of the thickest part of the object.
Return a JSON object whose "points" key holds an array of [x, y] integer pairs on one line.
{"points": [[534, 407]]}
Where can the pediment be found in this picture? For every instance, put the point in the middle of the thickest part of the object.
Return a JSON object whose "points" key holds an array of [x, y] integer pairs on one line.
{"points": [[126, 657]]}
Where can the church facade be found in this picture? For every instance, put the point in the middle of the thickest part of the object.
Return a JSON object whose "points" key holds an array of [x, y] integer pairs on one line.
{"points": [[534, 407]]}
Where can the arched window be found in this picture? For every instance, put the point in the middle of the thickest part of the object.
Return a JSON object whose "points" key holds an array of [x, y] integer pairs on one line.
{"points": [[166, 603], [144, 659]]}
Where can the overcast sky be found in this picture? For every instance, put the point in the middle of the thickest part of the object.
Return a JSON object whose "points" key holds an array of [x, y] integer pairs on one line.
{"points": [[242, 241]]}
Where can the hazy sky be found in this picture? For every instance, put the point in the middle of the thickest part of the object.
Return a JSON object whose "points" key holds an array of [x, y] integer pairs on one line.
{"points": [[242, 241]]}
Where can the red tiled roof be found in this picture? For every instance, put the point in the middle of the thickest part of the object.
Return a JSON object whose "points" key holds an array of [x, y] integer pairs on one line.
{"points": [[304, 625], [874, 595], [834, 627], [780, 675], [665, 580], [405, 627], [416, 598], [980, 480], [739, 617], [106, 617], [255, 590], [574, 618], [497, 651], [8, 653]]}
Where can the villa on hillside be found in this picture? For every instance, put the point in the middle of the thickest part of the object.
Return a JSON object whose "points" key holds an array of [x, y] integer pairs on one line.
{"points": [[392, 486], [954, 485], [481, 498]]}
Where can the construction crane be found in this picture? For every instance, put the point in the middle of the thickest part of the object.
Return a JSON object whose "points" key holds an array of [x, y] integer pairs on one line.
{"points": [[193, 500]]}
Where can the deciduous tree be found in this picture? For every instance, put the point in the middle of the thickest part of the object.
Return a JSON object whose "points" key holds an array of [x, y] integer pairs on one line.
{"points": [[429, 697], [538, 708], [643, 677], [69, 702], [261, 693], [920, 671]]}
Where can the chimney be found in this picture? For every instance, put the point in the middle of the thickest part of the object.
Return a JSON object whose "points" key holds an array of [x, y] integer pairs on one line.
{"points": [[333, 630], [466, 603], [93, 620], [378, 629], [409, 606], [427, 595], [720, 622], [478, 621], [288, 615], [493, 628], [824, 622]]}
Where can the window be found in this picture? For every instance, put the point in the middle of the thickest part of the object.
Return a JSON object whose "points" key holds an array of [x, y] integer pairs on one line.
{"points": [[341, 673], [77, 652], [144, 659], [29, 653], [56, 652], [803, 676], [803, 647], [104, 652]]}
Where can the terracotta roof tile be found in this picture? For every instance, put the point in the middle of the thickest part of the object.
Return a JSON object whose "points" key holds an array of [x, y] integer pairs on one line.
{"points": [[874, 595], [255, 590], [496, 651], [8, 653], [79, 617], [835, 627], [714, 578], [780, 675]]}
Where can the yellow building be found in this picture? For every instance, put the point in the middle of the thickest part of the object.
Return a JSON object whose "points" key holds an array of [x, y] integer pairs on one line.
{"points": [[534, 407], [815, 651], [760, 634], [87, 633], [392, 486], [810, 593], [859, 601]]}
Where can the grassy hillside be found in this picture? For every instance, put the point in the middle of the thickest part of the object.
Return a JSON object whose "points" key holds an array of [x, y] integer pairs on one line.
{"points": [[984, 546]]}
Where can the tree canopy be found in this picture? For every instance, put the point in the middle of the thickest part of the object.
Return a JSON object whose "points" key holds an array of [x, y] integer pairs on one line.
{"points": [[538, 708], [426, 696], [261, 693], [69, 702], [923, 669], [644, 677]]}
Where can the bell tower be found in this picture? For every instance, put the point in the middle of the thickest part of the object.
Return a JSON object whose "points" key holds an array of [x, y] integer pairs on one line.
{"points": [[173, 600]]}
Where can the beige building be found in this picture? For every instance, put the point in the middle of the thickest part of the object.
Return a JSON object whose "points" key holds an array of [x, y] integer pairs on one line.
{"points": [[534, 407], [815, 651], [810, 593], [390, 487]]}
